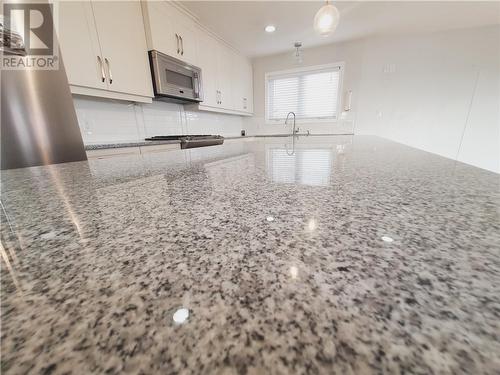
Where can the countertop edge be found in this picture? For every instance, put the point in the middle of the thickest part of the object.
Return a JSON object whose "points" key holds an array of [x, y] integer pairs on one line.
{"points": [[103, 146]]}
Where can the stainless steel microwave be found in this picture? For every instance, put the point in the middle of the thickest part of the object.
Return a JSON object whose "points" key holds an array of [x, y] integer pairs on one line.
{"points": [[174, 80]]}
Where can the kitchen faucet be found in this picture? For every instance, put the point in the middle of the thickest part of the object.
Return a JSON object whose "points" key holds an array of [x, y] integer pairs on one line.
{"points": [[286, 122]]}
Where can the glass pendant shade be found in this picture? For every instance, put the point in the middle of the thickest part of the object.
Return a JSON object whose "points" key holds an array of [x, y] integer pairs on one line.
{"points": [[326, 20]]}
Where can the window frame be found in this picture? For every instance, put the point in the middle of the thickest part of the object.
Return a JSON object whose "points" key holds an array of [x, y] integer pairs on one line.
{"points": [[310, 68]]}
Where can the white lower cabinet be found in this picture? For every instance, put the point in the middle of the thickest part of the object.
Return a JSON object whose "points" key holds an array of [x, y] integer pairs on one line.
{"points": [[104, 49]]}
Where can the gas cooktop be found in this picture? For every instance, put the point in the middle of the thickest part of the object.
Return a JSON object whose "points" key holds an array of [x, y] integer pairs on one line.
{"points": [[191, 140]]}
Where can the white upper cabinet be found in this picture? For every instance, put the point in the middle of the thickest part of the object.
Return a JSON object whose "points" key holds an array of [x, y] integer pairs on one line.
{"points": [[159, 28], [121, 34], [104, 49], [242, 89], [248, 87], [79, 44], [105, 45], [207, 57], [188, 37], [224, 76], [237, 80], [170, 31]]}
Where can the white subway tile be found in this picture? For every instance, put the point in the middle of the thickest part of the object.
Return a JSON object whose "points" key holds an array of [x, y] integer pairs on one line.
{"points": [[105, 121]]}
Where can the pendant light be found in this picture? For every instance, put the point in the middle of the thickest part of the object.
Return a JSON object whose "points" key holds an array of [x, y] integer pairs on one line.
{"points": [[326, 20]]}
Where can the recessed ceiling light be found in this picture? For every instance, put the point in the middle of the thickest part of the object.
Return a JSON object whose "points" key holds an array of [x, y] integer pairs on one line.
{"points": [[270, 218], [270, 29], [387, 239]]}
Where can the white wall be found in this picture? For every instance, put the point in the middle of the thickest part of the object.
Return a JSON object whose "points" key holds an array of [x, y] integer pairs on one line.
{"points": [[107, 121], [349, 53], [436, 88], [416, 90]]}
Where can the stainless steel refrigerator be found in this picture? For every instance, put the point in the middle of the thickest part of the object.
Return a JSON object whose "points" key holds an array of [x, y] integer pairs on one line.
{"points": [[39, 124]]}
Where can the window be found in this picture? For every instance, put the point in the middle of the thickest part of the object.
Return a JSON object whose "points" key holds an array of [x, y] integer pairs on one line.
{"points": [[312, 93]]}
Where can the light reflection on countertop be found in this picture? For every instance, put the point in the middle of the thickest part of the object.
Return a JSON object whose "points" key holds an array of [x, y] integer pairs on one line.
{"points": [[243, 258]]}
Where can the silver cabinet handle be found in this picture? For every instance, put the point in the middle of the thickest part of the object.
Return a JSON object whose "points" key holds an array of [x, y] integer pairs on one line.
{"points": [[109, 71], [182, 45], [103, 74], [177, 38]]}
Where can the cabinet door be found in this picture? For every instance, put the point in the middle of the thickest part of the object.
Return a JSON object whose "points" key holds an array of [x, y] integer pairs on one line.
{"points": [[120, 29], [248, 87], [188, 35], [239, 76], [170, 31], [160, 29], [208, 64], [224, 76], [79, 45]]}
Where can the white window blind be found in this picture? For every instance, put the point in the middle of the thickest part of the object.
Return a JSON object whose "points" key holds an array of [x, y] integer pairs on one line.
{"points": [[311, 94], [306, 167]]}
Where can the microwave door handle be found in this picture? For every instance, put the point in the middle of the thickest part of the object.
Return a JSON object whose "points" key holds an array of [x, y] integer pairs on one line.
{"points": [[196, 85]]}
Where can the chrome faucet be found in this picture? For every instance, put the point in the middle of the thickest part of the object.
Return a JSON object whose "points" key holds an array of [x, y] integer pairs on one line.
{"points": [[286, 122]]}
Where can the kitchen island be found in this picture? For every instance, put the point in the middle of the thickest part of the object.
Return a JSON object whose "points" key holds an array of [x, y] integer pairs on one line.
{"points": [[341, 254]]}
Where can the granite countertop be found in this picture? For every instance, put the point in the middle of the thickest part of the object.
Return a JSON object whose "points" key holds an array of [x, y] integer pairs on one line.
{"points": [[335, 255]]}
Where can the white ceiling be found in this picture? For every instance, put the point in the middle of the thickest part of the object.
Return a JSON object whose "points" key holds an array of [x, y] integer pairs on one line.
{"points": [[242, 23]]}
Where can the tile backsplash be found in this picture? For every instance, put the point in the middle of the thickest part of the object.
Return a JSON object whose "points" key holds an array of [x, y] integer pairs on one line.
{"points": [[108, 121]]}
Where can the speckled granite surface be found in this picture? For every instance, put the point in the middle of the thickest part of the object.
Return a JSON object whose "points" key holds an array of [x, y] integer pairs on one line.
{"points": [[278, 260]]}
